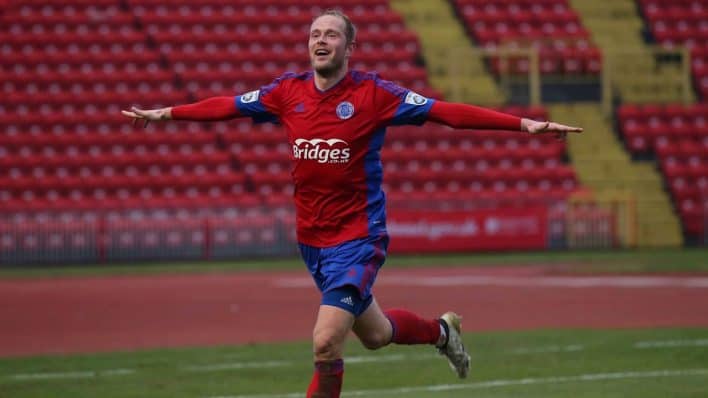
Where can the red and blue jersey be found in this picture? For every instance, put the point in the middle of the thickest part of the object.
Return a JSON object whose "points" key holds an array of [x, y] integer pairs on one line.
{"points": [[336, 137]]}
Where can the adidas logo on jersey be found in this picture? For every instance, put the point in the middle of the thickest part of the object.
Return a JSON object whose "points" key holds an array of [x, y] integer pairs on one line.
{"points": [[348, 301], [332, 150]]}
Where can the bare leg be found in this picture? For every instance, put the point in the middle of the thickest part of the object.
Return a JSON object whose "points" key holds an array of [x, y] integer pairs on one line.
{"points": [[331, 329], [373, 328]]}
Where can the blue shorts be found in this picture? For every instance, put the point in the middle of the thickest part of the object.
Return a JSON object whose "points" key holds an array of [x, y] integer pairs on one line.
{"points": [[345, 273]]}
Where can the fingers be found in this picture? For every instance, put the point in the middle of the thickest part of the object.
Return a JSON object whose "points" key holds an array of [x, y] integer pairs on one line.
{"points": [[559, 131], [564, 128], [568, 129], [135, 112], [138, 114], [141, 112], [555, 128]]}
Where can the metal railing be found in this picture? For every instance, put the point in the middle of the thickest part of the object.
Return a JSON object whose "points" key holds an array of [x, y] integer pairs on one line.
{"points": [[611, 78], [498, 64], [584, 221], [614, 223]]}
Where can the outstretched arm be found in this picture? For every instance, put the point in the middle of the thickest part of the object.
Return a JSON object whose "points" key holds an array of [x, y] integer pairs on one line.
{"points": [[465, 116], [210, 109]]}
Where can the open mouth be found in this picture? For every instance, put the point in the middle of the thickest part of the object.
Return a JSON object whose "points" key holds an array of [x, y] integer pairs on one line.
{"points": [[321, 52]]}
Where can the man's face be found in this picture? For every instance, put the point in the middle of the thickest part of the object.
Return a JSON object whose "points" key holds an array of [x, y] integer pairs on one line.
{"points": [[328, 45]]}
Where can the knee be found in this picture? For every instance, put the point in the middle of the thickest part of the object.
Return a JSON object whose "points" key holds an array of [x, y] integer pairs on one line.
{"points": [[376, 340], [326, 345]]}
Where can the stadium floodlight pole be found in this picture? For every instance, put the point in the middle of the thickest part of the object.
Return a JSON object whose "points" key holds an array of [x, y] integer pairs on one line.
{"points": [[335, 120]]}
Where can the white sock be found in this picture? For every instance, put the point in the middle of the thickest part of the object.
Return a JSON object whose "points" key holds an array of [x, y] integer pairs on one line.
{"points": [[443, 337]]}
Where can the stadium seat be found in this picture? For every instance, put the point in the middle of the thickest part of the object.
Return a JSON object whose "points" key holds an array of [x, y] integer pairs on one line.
{"points": [[551, 26], [677, 136], [74, 65], [680, 23]]}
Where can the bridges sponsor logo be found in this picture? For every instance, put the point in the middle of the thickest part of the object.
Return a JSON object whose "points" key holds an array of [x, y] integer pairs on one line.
{"points": [[332, 150]]}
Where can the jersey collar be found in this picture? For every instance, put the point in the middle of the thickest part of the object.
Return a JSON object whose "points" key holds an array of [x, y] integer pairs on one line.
{"points": [[341, 85]]}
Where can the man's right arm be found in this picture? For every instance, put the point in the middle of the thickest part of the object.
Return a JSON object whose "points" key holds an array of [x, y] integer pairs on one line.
{"points": [[210, 109]]}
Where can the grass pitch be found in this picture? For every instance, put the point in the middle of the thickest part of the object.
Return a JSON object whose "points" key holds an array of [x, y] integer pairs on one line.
{"points": [[578, 363], [548, 363]]}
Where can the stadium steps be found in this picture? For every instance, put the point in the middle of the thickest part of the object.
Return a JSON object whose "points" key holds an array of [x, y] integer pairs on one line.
{"points": [[454, 67], [602, 165], [616, 27]]}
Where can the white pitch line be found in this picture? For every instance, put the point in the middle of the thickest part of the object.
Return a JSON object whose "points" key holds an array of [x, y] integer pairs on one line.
{"points": [[237, 365], [347, 360], [216, 367], [549, 349], [388, 358], [280, 364], [71, 375], [368, 359], [499, 383], [639, 282], [671, 343]]}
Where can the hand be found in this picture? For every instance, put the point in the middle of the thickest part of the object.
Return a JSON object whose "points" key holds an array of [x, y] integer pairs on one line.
{"points": [[148, 114], [559, 130]]}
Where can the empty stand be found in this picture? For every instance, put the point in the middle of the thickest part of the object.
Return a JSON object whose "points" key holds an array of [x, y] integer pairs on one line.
{"points": [[487, 168], [218, 47], [75, 65], [648, 127], [551, 26], [678, 137], [682, 23], [68, 157]]}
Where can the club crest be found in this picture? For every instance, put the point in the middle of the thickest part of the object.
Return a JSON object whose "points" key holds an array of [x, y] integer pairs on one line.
{"points": [[345, 110]]}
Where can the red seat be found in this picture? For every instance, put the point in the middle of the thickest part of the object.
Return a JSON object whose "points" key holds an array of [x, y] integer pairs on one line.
{"points": [[677, 23], [517, 23], [79, 153]]}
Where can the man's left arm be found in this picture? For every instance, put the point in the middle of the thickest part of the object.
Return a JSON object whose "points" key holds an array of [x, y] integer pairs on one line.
{"points": [[464, 116]]}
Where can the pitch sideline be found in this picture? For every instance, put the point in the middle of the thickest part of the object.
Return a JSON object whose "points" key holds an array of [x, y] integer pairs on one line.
{"points": [[499, 383], [213, 367]]}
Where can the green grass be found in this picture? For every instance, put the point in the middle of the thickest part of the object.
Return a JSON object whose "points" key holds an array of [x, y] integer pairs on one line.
{"points": [[623, 261], [505, 358]]}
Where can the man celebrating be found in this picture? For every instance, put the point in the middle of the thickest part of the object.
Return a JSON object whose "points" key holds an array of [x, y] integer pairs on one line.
{"points": [[335, 120]]}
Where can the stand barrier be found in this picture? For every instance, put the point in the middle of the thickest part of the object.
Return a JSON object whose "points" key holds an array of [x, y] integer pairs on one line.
{"points": [[583, 221]]}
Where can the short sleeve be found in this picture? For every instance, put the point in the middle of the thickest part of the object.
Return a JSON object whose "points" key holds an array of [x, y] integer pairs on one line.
{"points": [[413, 109], [403, 106], [263, 105], [250, 104]]}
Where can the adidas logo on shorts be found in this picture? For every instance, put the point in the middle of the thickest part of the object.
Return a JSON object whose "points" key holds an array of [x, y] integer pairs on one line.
{"points": [[348, 301]]}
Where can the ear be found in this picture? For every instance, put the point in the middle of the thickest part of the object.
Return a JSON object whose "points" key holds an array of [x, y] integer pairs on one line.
{"points": [[349, 49]]}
